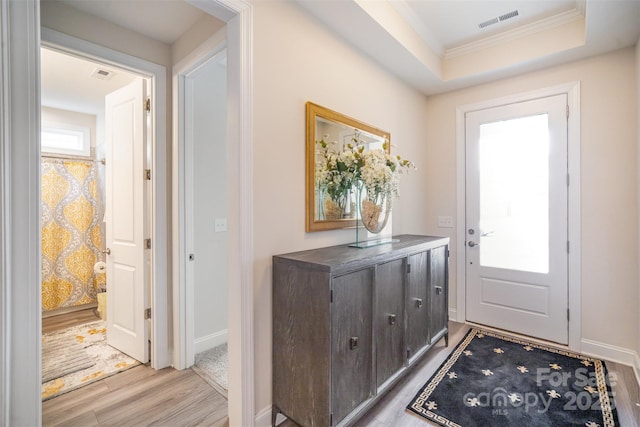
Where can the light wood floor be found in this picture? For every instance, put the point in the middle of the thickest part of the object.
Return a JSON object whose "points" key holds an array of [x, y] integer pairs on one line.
{"points": [[140, 396], [390, 411], [143, 396], [67, 320]]}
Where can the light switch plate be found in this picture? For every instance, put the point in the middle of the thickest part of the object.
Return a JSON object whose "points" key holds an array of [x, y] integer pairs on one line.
{"points": [[220, 224], [445, 221]]}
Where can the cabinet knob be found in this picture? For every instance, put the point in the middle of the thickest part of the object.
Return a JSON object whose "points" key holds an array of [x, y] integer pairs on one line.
{"points": [[438, 290], [419, 302], [392, 319], [353, 343]]}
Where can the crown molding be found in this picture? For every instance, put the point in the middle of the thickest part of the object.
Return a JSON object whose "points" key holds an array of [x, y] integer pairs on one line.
{"points": [[516, 33], [407, 13]]}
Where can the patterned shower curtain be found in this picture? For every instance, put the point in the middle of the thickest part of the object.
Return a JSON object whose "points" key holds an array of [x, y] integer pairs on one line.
{"points": [[72, 215]]}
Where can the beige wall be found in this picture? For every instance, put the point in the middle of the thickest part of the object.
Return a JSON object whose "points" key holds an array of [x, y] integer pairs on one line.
{"points": [[297, 60], [609, 185]]}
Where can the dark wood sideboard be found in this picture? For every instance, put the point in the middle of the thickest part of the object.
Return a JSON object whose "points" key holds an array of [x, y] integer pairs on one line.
{"points": [[348, 323]]}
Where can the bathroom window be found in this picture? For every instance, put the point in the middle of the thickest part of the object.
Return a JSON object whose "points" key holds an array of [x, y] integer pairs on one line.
{"points": [[66, 139]]}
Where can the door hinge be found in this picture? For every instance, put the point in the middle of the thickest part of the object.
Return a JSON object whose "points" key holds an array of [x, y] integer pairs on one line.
{"points": [[147, 105], [567, 111], [331, 295], [147, 243], [147, 313], [568, 180], [567, 314], [568, 247], [408, 268], [147, 174]]}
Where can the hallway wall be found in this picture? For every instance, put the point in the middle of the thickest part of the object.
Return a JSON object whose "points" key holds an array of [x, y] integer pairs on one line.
{"points": [[297, 60]]}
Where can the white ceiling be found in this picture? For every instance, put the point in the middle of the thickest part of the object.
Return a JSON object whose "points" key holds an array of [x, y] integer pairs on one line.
{"points": [[67, 82], [448, 24]]}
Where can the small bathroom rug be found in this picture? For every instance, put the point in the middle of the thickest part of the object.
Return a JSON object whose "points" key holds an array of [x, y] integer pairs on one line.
{"points": [[97, 359]]}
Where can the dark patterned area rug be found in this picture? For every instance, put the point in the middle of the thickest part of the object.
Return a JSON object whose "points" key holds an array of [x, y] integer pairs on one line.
{"points": [[495, 380]]}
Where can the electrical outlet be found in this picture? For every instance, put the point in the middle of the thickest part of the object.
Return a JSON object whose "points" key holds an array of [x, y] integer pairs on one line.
{"points": [[220, 225], [445, 222]]}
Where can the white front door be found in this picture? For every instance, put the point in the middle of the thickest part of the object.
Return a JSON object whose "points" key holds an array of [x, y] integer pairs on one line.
{"points": [[516, 219], [125, 129]]}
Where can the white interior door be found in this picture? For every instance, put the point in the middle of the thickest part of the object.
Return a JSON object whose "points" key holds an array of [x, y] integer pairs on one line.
{"points": [[516, 219], [125, 128]]}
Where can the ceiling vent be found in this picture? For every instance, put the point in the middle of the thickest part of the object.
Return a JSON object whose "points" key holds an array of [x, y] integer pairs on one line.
{"points": [[102, 74], [509, 15], [500, 18]]}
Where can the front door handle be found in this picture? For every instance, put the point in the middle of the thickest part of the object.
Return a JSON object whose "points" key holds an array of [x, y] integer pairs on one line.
{"points": [[473, 244], [107, 252]]}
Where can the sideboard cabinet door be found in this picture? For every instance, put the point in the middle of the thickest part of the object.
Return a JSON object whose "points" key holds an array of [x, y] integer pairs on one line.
{"points": [[351, 342], [438, 313], [389, 319], [417, 303]]}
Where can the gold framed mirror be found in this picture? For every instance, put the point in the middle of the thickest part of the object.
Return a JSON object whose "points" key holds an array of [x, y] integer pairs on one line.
{"points": [[330, 132]]}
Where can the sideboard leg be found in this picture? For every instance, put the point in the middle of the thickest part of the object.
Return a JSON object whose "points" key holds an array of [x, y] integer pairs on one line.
{"points": [[446, 339]]}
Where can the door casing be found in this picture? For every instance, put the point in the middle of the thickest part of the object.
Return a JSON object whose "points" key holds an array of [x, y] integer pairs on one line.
{"points": [[160, 355], [572, 90], [184, 322], [238, 16]]}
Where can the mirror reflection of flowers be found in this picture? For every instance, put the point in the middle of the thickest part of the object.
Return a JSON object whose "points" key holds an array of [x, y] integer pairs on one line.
{"points": [[336, 171]]}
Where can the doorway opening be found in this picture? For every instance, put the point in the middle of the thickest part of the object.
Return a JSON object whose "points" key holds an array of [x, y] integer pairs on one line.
{"points": [[202, 126], [79, 157]]}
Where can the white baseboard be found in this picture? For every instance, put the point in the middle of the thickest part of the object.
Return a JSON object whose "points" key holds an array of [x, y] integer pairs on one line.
{"points": [[610, 352], [210, 341], [636, 368], [453, 315], [263, 418]]}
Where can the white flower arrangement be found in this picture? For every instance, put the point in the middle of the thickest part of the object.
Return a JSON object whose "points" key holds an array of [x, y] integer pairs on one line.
{"points": [[354, 168]]}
